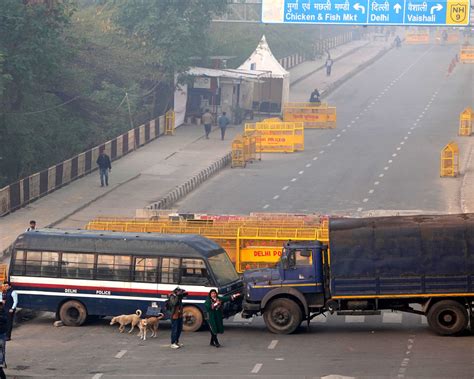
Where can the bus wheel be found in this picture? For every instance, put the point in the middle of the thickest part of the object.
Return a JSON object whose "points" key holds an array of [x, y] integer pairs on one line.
{"points": [[73, 313], [192, 319], [282, 316], [448, 317]]}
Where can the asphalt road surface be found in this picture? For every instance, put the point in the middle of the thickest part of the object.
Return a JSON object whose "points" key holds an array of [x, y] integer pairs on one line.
{"points": [[393, 120], [392, 345]]}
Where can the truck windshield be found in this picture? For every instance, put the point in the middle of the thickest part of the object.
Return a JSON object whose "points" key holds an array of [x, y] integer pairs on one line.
{"points": [[223, 269]]}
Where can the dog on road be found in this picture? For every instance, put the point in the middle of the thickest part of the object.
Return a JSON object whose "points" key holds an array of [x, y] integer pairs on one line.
{"points": [[124, 320], [149, 323]]}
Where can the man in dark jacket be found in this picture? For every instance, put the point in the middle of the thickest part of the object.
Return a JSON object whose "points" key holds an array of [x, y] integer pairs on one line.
{"points": [[10, 301], [175, 300], [103, 161]]}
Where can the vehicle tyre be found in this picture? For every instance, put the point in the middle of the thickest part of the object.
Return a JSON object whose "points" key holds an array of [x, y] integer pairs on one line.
{"points": [[282, 316], [448, 317], [73, 313], [192, 318]]}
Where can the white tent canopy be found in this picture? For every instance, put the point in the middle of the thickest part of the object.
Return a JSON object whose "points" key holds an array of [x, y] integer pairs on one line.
{"points": [[275, 85]]}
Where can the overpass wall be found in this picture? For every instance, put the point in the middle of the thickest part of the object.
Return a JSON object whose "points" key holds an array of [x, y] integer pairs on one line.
{"points": [[31, 188]]}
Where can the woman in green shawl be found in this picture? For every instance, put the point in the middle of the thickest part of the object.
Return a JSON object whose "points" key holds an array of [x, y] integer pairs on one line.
{"points": [[214, 317]]}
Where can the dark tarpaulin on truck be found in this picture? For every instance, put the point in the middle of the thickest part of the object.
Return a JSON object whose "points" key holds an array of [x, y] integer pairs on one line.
{"points": [[402, 255]]}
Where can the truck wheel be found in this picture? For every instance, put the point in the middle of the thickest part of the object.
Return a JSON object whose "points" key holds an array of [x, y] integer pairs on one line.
{"points": [[448, 317], [282, 316], [192, 319], [73, 313]]}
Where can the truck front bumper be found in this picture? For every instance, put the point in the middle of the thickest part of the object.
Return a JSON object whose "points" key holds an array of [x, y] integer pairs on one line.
{"points": [[250, 309]]}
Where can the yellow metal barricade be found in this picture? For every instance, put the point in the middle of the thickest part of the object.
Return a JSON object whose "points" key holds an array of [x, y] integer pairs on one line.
{"points": [[467, 54], [465, 122], [170, 122], [277, 137], [250, 241], [417, 38], [450, 160], [313, 116], [238, 157]]}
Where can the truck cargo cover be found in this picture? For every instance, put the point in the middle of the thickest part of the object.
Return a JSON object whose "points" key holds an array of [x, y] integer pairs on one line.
{"points": [[402, 254]]}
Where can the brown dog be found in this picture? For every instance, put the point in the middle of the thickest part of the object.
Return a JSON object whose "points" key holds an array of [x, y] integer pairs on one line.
{"points": [[124, 320], [149, 323]]}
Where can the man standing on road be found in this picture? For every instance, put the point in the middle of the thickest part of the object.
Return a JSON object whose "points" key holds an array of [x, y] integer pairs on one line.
{"points": [[103, 161], [175, 300], [10, 302], [328, 66], [207, 120], [32, 226], [223, 122]]}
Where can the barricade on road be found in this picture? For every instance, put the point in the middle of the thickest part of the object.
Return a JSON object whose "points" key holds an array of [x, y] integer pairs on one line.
{"points": [[250, 242], [238, 157], [313, 116], [417, 38], [453, 38], [245, 149], [450, 160], [170, 117], [467, 54], [277, 137], [465, 122]]}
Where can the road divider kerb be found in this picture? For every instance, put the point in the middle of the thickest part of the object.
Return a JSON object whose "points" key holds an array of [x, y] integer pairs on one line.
{"points": [[191, 184]]}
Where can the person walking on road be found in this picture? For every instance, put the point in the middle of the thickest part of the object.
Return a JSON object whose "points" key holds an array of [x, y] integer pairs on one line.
{"points": [[103, 161], [207, 120], [10, 301], [223, 122], [213, 306], [175, 300], [32, 226], [329, 63]]}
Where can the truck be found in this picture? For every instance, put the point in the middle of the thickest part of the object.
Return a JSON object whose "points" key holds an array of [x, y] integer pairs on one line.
{"points": [[417, 264]]}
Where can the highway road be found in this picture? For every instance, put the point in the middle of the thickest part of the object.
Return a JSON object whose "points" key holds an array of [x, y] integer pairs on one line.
{"points": [[392, 345], [393, 119]]}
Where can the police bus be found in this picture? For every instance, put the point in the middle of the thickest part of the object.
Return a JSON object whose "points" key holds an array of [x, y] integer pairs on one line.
{"points": [[78, 274]]}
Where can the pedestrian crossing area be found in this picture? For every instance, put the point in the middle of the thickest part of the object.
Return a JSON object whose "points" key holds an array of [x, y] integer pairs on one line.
{"points": [[386, 317]]}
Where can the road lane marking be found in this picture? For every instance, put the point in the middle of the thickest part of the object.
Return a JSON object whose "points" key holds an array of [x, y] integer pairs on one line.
{"points": [[329, 144], [408, 132], [343, 130], [315, 158], [365, 200], [333, 140], [386, 168], [301, 172], [276, 197], [120, 354], [266, 206], [357, 117], [371, 191], [338, 135], [424, 320], [352, 122], [359, 209], [390, 161], [405, 138], [97, 376], [355, 319], [391, 318], [238, 318], [294, 180], [279, 359], [308, 164], [321, 152], [348, 126], [376, 183], [394, 155], [285, 188], [273, 344], [256, 368], [402, 143], [381, 176], [399, 148]]}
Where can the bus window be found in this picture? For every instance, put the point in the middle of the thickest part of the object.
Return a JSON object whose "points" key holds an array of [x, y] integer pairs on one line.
{"points": [[40, 263], [18, 262], [170, 270], [114, 267], [146, 269], [77, 266], [194, 272]]}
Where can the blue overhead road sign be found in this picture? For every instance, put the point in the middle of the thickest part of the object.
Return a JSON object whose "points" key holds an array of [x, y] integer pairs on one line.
{"points": [[367, 12]]}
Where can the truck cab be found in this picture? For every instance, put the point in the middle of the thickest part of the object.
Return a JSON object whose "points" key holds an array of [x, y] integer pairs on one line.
{"points": [[289, 292]]}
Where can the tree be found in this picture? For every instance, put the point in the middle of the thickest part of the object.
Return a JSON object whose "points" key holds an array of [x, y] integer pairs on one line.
{"points": [[172, 31]]}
